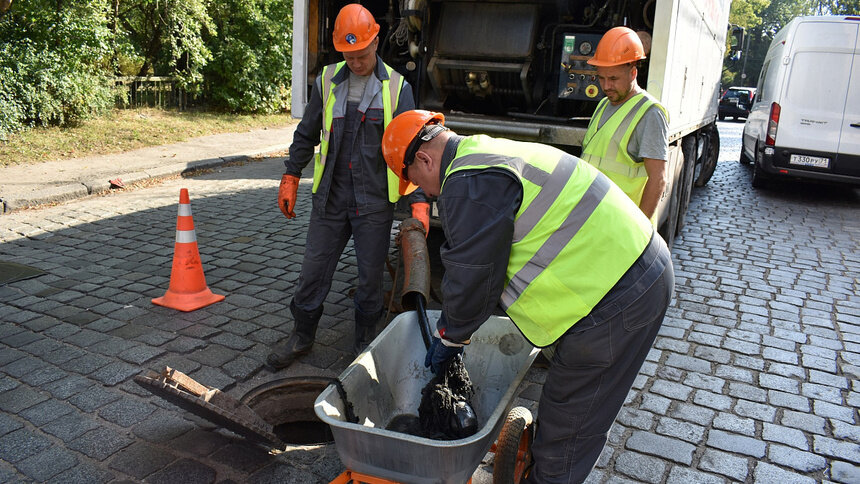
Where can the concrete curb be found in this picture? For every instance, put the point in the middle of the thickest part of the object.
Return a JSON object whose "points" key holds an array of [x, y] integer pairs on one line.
{"points": [[95, 186]]}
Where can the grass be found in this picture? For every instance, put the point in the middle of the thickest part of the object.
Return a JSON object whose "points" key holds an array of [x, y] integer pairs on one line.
{"points": [[127, 129]]}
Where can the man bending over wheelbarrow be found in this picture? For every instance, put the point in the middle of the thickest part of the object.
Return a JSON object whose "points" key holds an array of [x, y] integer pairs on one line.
{"points": [[569, 257]]}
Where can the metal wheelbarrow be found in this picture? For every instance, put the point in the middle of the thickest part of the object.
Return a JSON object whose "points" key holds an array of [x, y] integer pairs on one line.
{"points": [[385, 382]]}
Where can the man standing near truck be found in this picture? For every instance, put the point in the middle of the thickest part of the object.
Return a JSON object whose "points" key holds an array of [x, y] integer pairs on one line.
{"points": [[353, 191], [566, 254], [627, 138]]}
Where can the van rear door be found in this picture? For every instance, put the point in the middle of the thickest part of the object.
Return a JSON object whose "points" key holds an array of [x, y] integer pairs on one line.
{"points": [[816, 91], [848, 159]]}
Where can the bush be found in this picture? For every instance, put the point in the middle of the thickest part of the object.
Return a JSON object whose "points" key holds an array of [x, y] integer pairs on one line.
{"points": [[251, 50], [52, 65]]}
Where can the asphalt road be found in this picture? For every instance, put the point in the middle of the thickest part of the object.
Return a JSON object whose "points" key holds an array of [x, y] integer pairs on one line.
{"points": [[755, 376]]}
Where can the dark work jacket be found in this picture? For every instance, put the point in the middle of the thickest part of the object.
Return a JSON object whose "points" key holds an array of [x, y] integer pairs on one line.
{"points": [[368, 167]]}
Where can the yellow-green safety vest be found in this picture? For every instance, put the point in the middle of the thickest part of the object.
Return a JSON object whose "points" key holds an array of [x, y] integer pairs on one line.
{"points": [[575, 234], [390, 99], [606, 148]]}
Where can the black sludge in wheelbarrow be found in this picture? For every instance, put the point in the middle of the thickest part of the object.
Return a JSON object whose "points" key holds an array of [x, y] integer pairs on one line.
{"points": [[445, 411]]}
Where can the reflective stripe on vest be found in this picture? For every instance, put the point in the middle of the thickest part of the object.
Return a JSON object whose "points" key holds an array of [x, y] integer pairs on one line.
{"points": [[606, 148], [390, 100], [575, 234]]}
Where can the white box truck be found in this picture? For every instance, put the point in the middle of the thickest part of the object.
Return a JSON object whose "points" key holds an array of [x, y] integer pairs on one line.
{"points": [[517, 69], [805, 120]]}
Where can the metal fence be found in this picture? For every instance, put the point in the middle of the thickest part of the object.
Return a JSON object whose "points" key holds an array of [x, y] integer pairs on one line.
{"points": [[151, 91]]}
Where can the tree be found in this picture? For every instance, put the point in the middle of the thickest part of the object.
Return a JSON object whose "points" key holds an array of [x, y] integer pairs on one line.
{"points": [[251, 49], [167, 35]]}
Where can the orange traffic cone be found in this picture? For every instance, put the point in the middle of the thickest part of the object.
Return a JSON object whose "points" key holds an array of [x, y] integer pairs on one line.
{"points": [[188, 290]]}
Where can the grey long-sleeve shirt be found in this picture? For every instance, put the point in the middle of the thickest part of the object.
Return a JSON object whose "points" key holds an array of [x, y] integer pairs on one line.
{"points": [[477, 209]]}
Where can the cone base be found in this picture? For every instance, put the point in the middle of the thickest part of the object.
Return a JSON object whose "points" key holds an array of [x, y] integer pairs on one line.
{"points": [[188, 302]]}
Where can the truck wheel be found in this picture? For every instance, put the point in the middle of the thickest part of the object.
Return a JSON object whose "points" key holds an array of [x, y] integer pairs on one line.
{"points": [[689, 146], [514, 447], [710, 156]]}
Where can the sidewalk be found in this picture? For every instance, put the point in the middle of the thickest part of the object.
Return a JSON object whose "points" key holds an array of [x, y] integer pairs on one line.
{"points": [[23, 186]]}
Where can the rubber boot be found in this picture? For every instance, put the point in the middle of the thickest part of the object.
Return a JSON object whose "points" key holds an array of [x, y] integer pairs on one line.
{"points": [[300, 342], [365, 329]]}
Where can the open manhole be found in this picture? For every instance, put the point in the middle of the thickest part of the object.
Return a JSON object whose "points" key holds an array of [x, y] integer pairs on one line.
{"points": [[275, 413], [288, 405]]}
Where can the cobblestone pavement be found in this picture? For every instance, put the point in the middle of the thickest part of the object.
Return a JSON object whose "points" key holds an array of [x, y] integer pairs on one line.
{"points": [[754, 377]]}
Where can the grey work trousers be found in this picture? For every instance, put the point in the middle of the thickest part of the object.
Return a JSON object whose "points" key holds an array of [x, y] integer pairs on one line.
{"points": [[593, 368], [327, 237]]}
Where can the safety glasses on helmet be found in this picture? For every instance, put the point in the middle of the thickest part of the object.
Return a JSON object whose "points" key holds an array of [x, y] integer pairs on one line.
{"points": [[427, 133]]}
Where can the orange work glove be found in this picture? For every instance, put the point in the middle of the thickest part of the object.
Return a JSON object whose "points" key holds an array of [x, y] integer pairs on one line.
{"points": [[287, 194], [421, 211]]}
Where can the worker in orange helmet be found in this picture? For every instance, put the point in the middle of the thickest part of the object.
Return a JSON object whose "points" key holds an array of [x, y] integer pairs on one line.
{"points": [[627, 138], [563, 251], [353, 191]]}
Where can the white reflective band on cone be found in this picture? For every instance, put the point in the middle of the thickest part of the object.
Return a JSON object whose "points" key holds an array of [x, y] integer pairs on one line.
{"points": [[185, 236]]}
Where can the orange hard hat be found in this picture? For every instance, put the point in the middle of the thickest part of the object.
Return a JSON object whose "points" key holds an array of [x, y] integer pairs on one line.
{"points": [[400, 141], [354, 28], [620, 45]]}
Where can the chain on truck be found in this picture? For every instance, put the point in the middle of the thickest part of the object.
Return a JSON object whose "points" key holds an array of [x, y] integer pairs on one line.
{"points": [[517, 69]]}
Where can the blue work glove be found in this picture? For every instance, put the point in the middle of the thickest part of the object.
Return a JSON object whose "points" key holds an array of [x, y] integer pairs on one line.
{"points": [[438, 355]]}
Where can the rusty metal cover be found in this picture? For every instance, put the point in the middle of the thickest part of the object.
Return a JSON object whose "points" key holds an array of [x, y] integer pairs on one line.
{"points": [[209, 403]]}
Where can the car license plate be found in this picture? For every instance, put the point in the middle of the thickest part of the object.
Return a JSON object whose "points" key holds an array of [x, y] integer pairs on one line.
{"points": [[804, 160]]}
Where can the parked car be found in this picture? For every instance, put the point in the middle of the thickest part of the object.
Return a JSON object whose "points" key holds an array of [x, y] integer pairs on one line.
{"points": [[736, 102], [805, 122]]}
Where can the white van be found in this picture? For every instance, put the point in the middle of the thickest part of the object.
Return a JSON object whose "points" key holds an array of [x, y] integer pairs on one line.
{"points": [[805, 120]]}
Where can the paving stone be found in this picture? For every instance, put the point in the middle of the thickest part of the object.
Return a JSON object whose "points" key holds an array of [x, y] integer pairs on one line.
{"points": [[126, 412], [680, 475], [844, 472], [804, 421], [736, 443], [100, 443], [8, 424], [847, 451], [788, 400], [283, 472], [829, 410], [712, 400], [141, 459], [665, 447], [845, 431], [671, 390], [186, 471], [755, 410], [679, 429], [47, 463], [640, 467], [21, 444], [19, 398], [46, 411], [693, 413], [162, 426], [734, 424], [765, 472], [793, 458], [731, 466], [94, 398], [68, 386], [83, 473], [785, 435], [747, 392], [245, 458], [71, 426]]}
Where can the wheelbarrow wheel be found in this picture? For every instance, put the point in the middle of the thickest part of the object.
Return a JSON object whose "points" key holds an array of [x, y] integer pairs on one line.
{"points": [[513, 448]]}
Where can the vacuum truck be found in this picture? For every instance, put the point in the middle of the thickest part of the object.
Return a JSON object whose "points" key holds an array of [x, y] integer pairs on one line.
{"points": [[518, 69]]}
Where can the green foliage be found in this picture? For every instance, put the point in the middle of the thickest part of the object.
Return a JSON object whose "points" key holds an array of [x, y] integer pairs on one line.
{"points": [[251, 49], [52, 64]]}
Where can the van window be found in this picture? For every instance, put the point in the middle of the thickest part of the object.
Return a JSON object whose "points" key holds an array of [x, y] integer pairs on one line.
{"points": [[760, 89], [807, 89]]}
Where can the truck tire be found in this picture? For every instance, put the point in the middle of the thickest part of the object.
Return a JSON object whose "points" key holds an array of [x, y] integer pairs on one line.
{"points": [[689, 146], [710, 155], [513, 448]]}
